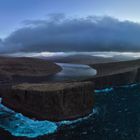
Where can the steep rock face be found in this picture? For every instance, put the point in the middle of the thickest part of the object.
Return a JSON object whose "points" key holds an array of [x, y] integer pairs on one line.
{"points": [[116, 74], [5, 83], [63, 101], [137, 78], [55, 102], [114, 80]]}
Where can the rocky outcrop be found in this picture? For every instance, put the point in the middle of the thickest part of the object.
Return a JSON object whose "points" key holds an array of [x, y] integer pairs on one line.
{"points": [[116, 74], [5, 83], [18, 70], [137, 78], [54, 101], [64, 101], [114, 80]]}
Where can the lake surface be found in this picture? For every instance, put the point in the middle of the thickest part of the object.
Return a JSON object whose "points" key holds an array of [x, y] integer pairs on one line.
{"points": [[116, 116], [73, 72]]}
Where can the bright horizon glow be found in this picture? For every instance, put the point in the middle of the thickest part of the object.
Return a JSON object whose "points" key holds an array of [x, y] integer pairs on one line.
{"points": [[111, 54]]}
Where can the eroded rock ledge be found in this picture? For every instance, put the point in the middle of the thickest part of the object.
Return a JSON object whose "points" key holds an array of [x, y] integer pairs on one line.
{"points": [[54, 101], [64, 100], [116, 74]]}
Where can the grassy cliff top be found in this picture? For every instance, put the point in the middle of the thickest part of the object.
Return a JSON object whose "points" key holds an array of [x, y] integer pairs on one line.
{"points": [[27, 67], [49, 86], [111, 68]]}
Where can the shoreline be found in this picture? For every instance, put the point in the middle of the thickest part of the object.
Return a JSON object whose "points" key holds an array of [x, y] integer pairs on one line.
{"points": [[5, 134], [109, 75]]}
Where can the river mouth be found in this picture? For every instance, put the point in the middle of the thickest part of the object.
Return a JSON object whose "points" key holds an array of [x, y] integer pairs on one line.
{"points": [[116, 116]]}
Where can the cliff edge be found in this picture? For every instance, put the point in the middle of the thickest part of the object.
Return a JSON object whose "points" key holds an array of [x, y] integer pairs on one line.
{"points": [[51, 101]]}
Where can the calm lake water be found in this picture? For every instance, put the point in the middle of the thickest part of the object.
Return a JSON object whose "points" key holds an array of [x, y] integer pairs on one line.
{"points": [[73, 72], [116, 116]]}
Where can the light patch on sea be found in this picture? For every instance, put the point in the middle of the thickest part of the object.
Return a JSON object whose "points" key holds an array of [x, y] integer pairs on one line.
{"points": [[106, 90], [19, 125]]}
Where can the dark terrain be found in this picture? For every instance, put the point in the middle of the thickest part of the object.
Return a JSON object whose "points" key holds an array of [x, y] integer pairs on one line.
{"points": [[17, 69], [117, 110], [117, 117]]}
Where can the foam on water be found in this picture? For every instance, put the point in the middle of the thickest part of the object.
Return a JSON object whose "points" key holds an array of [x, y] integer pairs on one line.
{"points": [[78, 120], [108, 90], [104, 90], [19, 125]]}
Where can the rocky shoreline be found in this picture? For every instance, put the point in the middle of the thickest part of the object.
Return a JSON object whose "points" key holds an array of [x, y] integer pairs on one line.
{"points": [[63, 100]]}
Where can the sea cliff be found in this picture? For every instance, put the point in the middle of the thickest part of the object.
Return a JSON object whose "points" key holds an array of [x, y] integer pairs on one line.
{"points": [[64, 100], [54, 101]]}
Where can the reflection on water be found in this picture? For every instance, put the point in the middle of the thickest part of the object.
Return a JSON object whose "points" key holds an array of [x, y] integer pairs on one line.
{"points": [[73, 72], [116, 116]]}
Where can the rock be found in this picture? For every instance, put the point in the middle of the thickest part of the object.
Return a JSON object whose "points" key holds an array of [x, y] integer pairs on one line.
{"points": [[115, 80], [54, 101], [26, 69], [116, 74], [5, 83], [64, 101]]}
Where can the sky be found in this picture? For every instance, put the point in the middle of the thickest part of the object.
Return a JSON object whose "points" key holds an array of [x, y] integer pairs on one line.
{"points": [[69, 25], [14, 12]]}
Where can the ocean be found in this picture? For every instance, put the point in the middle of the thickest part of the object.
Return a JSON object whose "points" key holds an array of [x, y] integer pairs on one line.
{"points": [[116, 116]]}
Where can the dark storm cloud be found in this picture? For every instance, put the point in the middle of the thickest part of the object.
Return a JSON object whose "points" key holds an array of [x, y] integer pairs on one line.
{"points": [[58, 33]]}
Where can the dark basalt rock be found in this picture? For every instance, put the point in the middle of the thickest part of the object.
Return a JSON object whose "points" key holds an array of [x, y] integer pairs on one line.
{"points": [[115, 80], [116, 74], [54, 101], [63, 101], [5, 84], [137, 78]]}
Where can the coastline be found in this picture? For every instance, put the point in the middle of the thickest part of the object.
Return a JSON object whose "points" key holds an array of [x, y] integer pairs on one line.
{"points": [[126, 72]]}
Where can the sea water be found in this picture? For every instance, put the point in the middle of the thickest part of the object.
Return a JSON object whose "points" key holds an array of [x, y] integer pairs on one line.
{"points": [[116, 116]]}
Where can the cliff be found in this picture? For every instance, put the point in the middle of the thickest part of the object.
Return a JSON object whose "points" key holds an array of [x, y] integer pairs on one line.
{"points": [[114, 80], [25, 69], [116, 74], [64, 100], [54, 101]]}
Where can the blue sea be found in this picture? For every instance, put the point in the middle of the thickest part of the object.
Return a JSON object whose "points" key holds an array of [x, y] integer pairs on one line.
{"points": [[115, 116]]}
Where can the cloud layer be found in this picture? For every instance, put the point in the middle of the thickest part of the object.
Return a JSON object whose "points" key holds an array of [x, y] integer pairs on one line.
{"points": [[58, 33]]}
